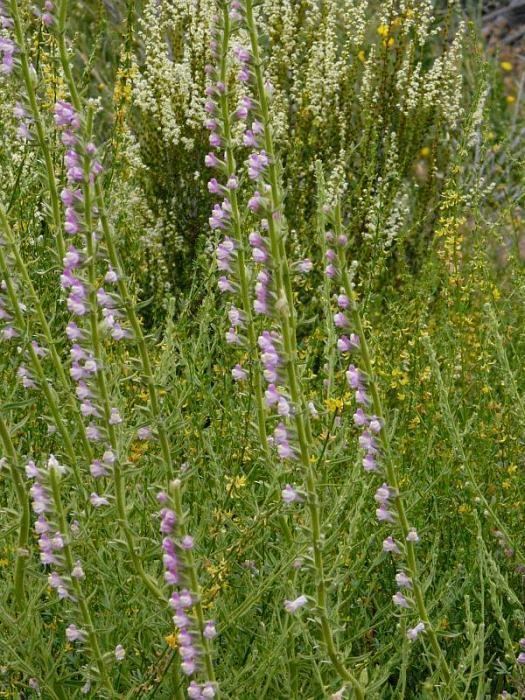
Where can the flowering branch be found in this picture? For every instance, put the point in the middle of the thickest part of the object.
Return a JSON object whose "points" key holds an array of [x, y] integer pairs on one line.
{"points": [[23, 532], [128, 308], [56, 552], [29, 82], [278, 349], [388, 495], [12, 248], [34, 352]]}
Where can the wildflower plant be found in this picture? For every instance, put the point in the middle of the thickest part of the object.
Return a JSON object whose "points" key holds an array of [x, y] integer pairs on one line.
{"points": [[261, 311]]}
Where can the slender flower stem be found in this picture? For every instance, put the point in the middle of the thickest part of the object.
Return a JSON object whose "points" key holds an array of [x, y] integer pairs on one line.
{"points": [[117, 470], [237, 230], [37, 366], [146, 365], [79, 595], [287, 323], [40, 131], [331, 338], [23, 501], [390, 468], [46, 331], [101, 381], [114, 258], [190, 567], [148, 377], [90, 241]]}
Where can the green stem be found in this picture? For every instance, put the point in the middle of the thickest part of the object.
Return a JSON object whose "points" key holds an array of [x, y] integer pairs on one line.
{"points": [[331, 337], [77, 588], [390, 469], [40, 131], [287, 323], [46, 331], [36, 364], [147, 374], [237, 231], [23, 501], [101, 378]]}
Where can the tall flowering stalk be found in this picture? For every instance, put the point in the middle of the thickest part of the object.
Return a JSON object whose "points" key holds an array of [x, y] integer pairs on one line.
{"points": [[292, 437], [56, 553], [194, 632], [16, 326], [95, 310], [237, 275], [123, 305], [10, 457], [231, 255], [15, 271], [14, 23], [331, 336], [375, 444]]}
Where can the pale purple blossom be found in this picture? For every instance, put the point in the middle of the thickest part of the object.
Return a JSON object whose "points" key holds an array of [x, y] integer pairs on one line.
{"points": [[74, 634], [291, 495], [414, 632], [292, 606]]}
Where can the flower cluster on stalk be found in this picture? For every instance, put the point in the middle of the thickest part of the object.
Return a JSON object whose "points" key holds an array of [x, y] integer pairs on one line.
{"points": [[182, 601], [371, 426], [262, 272], [8, 329], [7, 45], [51, 541], [87, 301]]}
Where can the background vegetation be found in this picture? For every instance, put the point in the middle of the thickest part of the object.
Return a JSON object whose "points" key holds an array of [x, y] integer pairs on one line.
{"points": [[400, 108]]}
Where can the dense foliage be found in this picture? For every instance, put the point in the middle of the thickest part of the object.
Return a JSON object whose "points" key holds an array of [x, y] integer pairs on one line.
{"points": [[262, 285]]}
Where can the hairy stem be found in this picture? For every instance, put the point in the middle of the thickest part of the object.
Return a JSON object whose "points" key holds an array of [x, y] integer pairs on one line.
{"points": [[79, 595], [287, 324], [23, 502], [390, 467], [43, 143]]}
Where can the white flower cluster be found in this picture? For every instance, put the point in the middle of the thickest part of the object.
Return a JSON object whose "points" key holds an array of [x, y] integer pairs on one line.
{"points": [[170, 81]]}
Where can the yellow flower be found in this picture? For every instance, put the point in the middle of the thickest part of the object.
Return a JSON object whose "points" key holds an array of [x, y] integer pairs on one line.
{"points": [[361, 56], [506, 65], [383, 30], [414, 422], [171, 640], [238, 482], [424, 152], [511, 99], [333, 405]]}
